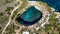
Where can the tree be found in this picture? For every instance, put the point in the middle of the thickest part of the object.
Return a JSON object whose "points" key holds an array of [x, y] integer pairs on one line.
{"points": [[1, 14]]}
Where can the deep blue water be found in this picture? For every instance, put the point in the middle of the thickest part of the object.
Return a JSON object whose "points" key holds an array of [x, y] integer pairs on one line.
{"points": [[30, 16], [34, 0], [52, 3]]}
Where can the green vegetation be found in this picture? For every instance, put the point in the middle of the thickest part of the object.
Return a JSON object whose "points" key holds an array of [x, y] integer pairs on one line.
{"points": [[0, 29], [53, 18], [45, 4], [42, 3], [54, 26], [3, 19], [8, 1], [1, 14], [8, 9], [11, 29], [23, 5]]}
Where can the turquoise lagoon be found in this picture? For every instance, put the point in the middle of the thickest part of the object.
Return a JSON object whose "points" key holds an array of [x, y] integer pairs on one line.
{"points": [[30, 16]]}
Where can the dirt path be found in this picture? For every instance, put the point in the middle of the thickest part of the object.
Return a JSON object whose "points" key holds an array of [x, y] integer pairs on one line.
{"points": [[10, 18]]}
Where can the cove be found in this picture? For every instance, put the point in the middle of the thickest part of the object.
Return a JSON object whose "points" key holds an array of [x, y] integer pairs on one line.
{"points": [[52, 3], [30, 16]]}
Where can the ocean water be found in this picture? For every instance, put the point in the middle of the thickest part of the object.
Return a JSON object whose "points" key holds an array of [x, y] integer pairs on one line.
{"points": [[52, 3], [30, 16]]}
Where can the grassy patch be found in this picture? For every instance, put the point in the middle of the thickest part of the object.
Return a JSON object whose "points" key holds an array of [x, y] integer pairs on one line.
{"points": [[11, 28], [23, 5]]}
